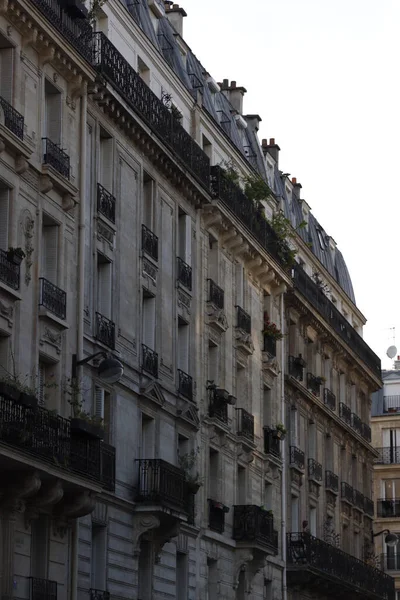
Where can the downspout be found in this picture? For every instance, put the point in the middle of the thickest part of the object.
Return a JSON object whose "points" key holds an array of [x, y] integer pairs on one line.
{"points": [[283, 419]]}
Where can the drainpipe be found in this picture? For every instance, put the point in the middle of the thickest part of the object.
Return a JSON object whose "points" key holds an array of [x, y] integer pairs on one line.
{"points": [[283, 419]]}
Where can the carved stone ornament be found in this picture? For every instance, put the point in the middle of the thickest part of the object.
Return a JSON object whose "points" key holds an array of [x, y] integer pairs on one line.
{"points": [[27, 226], [242, 558], [217, 317], [52, 337], [142, 524], [244, 341], [7, 312]]}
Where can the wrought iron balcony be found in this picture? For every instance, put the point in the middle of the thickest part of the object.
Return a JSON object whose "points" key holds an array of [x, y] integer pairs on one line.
{"points": [[296, 458], [215, 294], [314, 470], [296, 367], [55, 157], [271, 443], [331, 481], [345, 413], [329, 399], [356, 423], [149, 361], [269, 345], [111, 65], [218, 406], [184, 274], [149, 243], [43, 589], [366, 432], [243, 320], [368, 506], [388, 509], [216, 516], [310, 290], [358, 500], [99, 594], [105, 331], [52, 298], [253, 525], [389, 455], [314, 384], [9, 272], [105, 203], [347, 492], [185, 384], [334, 572], [390, 562], [12, 119], [161, 483], [250, 216], [245, 424]]}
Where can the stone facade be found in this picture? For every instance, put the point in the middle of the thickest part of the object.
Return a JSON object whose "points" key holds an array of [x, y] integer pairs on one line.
{"points": [[136, 248]]}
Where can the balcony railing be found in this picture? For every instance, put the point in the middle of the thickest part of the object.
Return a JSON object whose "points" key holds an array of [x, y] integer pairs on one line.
{"points": [[77, 32], [185, 384], [218, 407], [99, 594], [215, 294], [314, 384], [216, 516], [366, 432], [243, 320], [358, 500], [245, 424], [368, 506], [250, 216], [271, 443], [388, 509], [105, 331], [12, 119], [254, 525], [347, 492], [111, 65], [105, 203], [296, 367], [310, 290], [9, 272], [390, 562], [331, 481], [296, 457], [149, 243], [269, 345], [53, 298], [43, 589], [329, 399], [149, 360], [389, 455], [161, 483], [314, 470], [356, 423], [55, 157], [48, 438], [324, 566], [184, 274], [345, 413]]}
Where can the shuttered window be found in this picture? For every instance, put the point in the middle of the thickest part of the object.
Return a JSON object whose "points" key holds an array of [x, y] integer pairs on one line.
{"points": [[6, 73], [50, 250], [52, 120], [4, 218]]}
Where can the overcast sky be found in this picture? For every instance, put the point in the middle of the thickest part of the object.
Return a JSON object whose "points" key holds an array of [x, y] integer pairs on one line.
{"points": [[324, 77]]}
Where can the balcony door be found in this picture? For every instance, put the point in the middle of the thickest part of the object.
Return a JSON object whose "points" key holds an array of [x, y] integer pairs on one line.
{"points": [[391, 440], [391, 497], [392, 557]]}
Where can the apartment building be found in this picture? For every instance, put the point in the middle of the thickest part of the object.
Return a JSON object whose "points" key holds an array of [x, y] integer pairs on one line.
{"points": [[232, 458]]}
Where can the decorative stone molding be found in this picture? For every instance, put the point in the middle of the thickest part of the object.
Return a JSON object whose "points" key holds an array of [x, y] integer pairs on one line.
{"points": [[21, 164], [143, 524], [7, 311], [242, 559], [244, 341], [76, 505], [217, 317], [100, 514], [68, 202]]}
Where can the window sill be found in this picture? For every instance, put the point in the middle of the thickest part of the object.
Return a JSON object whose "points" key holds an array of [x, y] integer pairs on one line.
{"points": [[15, 294], [46, 314]]}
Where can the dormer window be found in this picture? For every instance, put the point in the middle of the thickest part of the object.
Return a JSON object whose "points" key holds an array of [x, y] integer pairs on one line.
{"points": [[321, 239]]}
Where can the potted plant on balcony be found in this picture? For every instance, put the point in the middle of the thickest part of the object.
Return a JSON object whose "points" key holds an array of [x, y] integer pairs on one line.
{"points": [[12, 388], [280, 432], [270, 330], [82, 422], [15, 255]]}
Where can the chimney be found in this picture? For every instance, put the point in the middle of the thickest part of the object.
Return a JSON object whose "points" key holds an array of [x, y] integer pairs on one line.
{"points": [[175, 16], [234, 94], [297, 187], [397, 363], [253, 122], [272, 149]]}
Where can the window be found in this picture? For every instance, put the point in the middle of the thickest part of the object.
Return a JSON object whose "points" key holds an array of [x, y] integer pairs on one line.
{"points": [[213, 362], [207, 147], [268, 489], [181, 576], [4, 354], [6, 69], [4, 217], [149, 319], [212, 579], [391, 440], [185, 238], [313, 520], [391, 489], [106, 160], [294, 511], [267, 405], [183, 345], [213, 480], [145, 570], [40, 547], [312, 440], [144, 71], [104, 286], [294, 427], [99, 556], [52, 117], [50, 235], [147, 437], [321, 239], [46, 384], [148, 202], [241, 486]]}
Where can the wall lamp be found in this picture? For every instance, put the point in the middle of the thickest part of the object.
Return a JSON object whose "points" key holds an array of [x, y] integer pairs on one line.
{"points": [[110, 370], [391, 539]]}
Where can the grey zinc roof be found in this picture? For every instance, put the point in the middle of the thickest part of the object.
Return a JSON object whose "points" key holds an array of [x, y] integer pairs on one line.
{"points": [[221, 111]]}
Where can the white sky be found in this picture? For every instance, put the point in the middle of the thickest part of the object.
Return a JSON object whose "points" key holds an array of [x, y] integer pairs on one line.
{"points": [[323, 75]]}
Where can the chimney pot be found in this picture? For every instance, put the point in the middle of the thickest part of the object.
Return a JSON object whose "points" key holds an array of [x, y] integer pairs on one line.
{"points": [[272, 142], [225, 83], [264, 143], [233, 84], [294, 180]]}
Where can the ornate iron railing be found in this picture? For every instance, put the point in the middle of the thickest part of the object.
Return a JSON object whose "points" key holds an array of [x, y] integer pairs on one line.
{"points": [[107, 467], [111, 65], [345, 413], [245, 424], [216, 516], [331, 481], [149, 243], [356, 423], [329, 399], [53, 298], [243, 320], [77, 32], [271, 443], [269, 345], [314, 470], [149, 360], [250, 216], [347, 492], [358, 500], [215, 294], [253, 524], [368, 506], [99, 594], [54, 156], [43, 589], [159, 482], [390, 562], [105, 330], [184, 273], [389, 455], [185, 384], [327, 564], [388, 509], [296, 457], [218, 407], [314, 384], [366, 431], [296, 367], [105, 203], [9, 272], [310, 290], [13, 120]]}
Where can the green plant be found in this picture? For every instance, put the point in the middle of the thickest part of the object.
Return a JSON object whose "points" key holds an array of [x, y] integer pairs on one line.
{"points": [[280, 427], [94, 10], [256, 189], [14, 379]]}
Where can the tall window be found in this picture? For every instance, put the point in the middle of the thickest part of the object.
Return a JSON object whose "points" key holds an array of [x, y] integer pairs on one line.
{"points": [[391, 440], [6, 69], [181, 576], [241, 485], [183, 345], [294, 513], [313, 520], [149, 319], [147, 437], [40, 547], [4, 217], [52, 118], [144, 71], [104, 285], [99, 557], [50, 252], [185, 238], [212, 579], [106, 160], [148, 202], [213, 362]]}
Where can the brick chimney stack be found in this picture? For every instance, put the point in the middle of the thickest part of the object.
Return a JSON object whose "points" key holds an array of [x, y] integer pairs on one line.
{"points": [[234, 94], [297, 187], [175, 16], [397, 363], [272, 149]]}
